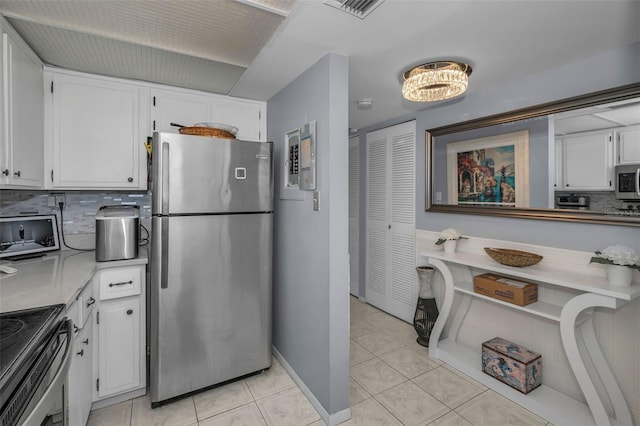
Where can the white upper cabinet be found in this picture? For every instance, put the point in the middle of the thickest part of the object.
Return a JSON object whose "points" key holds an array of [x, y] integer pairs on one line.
{"points": [[187, 108], [247, 116], [96, 129], [628, 147], [587, 162], [22, 116]]}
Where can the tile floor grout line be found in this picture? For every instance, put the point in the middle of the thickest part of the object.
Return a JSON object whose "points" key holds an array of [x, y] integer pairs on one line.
{"points": [[469, 400]]}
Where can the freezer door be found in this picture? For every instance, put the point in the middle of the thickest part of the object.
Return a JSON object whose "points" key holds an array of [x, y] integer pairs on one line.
{"points": [[197, 174], [210, 300]]}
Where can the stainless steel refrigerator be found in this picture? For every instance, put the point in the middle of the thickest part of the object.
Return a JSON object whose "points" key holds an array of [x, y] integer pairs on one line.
{"points": [[211, 261]]}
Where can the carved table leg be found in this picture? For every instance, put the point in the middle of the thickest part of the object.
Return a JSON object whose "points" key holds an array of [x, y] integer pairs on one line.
{"points": [[568, 325], [445, 310]]}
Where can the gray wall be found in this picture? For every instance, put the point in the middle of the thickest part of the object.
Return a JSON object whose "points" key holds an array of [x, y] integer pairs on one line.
{"points": [[607, 70], [310, 283], [623, 67], [538, 157]]}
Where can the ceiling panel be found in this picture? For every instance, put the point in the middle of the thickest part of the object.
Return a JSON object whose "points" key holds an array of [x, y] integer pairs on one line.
{"points": [[100, 55], [220, 30]]}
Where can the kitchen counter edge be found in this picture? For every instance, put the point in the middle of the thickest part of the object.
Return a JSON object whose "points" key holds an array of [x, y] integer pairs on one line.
{"points": [[54, 279]]}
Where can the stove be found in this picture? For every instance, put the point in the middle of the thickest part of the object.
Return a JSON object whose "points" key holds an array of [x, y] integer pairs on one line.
{"points": [[30, 339]]}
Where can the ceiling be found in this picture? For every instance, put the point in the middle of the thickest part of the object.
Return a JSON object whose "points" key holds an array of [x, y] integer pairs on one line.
{"points": [[606, 116], [253, 48]]}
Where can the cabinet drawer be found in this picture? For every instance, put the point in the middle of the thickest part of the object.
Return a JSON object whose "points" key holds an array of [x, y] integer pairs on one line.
{"points": [[119, 282]]}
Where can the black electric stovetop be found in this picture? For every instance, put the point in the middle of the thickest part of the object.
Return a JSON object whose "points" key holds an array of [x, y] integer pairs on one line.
{"points": [[22, 331]]}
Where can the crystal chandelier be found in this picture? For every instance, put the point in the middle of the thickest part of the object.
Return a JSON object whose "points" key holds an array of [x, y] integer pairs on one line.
{"points": [[435, 81]]}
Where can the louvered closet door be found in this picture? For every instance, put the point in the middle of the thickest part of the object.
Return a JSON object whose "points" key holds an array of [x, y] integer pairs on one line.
{"points": [[391, 277], [377, 219], [354, 213]]}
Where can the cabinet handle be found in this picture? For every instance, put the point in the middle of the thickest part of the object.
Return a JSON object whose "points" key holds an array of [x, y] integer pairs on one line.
{"points": [[81, 353], [129, 311], [91, 301], [5, 172], [121, 283], [17, 173], [85, 341], [130, 179]]}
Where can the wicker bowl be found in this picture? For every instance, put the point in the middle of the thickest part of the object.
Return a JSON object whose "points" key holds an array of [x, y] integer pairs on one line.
{"points": [[513, 257], [207, 131]]}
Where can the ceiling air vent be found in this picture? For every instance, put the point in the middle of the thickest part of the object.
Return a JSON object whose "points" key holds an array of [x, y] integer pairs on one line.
{"points": [[359, 8]]}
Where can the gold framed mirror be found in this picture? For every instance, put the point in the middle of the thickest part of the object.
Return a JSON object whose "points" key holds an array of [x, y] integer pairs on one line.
{"points": [[554, 161]]}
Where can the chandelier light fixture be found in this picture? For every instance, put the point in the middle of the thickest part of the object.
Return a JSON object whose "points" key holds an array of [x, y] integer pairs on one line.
{"points": [[436, 81]]}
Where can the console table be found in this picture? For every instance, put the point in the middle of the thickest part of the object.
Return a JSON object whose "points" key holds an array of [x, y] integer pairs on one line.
{"points": [[576, 314]]}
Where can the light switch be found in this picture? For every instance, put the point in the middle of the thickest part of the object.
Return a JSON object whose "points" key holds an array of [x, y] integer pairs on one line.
{"points": [[316, 201]]}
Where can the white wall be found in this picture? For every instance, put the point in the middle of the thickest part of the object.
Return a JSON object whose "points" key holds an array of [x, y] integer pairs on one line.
{"points": [[310, 283]]}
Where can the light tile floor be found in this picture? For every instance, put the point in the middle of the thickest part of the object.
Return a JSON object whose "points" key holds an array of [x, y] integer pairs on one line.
{"points": [[393, 382]]}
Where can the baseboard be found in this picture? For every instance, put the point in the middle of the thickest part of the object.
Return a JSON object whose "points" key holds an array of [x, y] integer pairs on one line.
{"points": [[118, 398], [329, 419]]}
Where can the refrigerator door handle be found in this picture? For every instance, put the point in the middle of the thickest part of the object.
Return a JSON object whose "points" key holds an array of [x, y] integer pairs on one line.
{"points": [[165, 177], [164, 273]]}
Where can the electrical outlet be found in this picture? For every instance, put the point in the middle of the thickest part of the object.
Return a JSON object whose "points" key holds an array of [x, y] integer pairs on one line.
{"points": [[59, 198]]}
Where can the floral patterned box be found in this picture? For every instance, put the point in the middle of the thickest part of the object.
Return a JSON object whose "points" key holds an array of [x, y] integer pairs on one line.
{"points": [[512, 364]]}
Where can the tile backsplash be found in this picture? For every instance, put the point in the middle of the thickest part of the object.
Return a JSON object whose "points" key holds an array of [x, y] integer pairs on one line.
{"points": [[80, 207]]}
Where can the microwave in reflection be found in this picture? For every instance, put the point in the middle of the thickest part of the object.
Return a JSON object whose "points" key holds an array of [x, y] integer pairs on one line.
{"points": [[628, 182]]}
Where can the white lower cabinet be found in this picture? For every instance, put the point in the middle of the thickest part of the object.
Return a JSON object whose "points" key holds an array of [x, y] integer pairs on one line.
{"points": [[119, 362], [80, 377], [119, 342]]}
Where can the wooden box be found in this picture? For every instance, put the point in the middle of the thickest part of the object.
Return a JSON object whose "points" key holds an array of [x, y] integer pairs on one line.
{"points": [[512, 364], [506, 289]]}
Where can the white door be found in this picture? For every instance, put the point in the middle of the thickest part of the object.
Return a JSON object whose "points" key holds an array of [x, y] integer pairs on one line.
{"points": [[245, 115], [588, 161], [354, 213], [119, 343], [391, 280], [629, 145], [185, 109], [97, 134], [23, 117]]}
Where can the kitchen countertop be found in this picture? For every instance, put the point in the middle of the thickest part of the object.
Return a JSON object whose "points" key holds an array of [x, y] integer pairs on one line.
{"points": [[54, 278]]}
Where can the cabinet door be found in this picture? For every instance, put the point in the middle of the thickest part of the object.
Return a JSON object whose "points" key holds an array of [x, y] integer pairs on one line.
{"points": [[629, 145], [559, 166], [119, 343], [21, 161], [588, 162], [80, 377], [98, 134], [175, 107], [86, 345], [246, 116]]}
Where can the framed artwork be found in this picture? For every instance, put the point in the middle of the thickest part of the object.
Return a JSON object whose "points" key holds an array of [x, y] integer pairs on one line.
{"points": [[491, 171]]}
